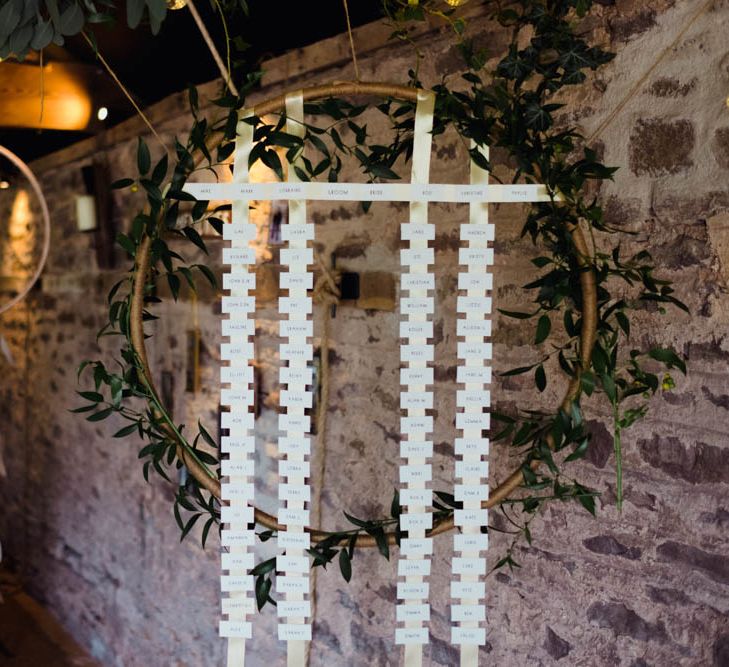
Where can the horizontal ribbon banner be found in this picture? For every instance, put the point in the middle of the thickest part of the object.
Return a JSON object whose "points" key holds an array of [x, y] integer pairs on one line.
{"points": [[447, 192]]}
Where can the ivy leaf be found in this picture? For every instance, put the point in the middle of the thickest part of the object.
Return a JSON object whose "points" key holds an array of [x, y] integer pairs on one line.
{"points": [[668, 357], [345, 565]]}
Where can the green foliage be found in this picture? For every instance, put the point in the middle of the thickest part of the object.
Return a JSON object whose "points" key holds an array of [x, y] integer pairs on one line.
{"points": [[514, 106]]}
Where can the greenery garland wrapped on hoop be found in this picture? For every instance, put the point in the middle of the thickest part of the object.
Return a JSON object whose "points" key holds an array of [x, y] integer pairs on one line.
{"points": [[585, 292]]}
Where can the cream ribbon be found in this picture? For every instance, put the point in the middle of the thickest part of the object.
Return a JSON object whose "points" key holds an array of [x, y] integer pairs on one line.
{"points": [[422, 144], [236, 653], [296, 650]]}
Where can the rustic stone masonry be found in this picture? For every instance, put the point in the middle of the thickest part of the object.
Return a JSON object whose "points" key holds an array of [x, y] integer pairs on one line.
{"points": [[100, 548]]}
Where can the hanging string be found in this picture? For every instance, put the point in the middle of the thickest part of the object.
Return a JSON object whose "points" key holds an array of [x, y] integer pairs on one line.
{"points": [[124, 90], [639, 84], [351, 41], [224, 71]]}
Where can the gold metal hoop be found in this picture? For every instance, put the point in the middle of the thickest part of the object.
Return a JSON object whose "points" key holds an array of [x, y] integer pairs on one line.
{"points": [[587, 333]]}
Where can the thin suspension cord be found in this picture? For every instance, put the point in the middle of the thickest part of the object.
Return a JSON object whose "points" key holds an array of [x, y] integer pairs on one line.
{"points": [[124, 90], [634, 90], [351, 41]]}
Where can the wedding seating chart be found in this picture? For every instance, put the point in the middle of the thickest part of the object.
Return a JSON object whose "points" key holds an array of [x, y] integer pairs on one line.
{"points": [[471, 447]]}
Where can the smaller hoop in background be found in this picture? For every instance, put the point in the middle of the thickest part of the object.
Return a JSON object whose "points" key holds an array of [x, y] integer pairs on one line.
{"points": [[25, 170]]}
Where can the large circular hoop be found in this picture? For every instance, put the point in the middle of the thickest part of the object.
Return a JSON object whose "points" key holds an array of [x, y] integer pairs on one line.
{"points": [[25, 170], [587, 333]]}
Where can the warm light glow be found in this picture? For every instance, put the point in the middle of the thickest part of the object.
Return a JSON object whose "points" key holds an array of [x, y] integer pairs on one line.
{"points": [[4, 185], [176, 4], [456, 3], [16, 253], [102, 113]]}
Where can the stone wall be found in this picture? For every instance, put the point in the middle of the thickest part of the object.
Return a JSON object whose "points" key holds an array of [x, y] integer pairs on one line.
{"points": [[649, 586]]}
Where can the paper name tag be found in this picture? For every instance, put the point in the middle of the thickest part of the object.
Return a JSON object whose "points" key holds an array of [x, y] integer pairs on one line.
{"points": [[300, 256], [295, 423], [413, 568], [411, 636], [416, 400], [293, 608], [475, 281], [476, 351], [416, 376], [289, 351], [231, 351], [470, 542], [233, 281], [468, 612], [297, 564], [238, 327], [468, 636], [422, 546], [471, 492], [416, 424], [297, 281], [239, 629], [291, 516], [414, 449], [417, 257], [289, 632], [473, 397], [236, 561], [465, 446], [411, 352], [239, 233], [465, 469], [237, 444], [473, 374], [236, 397], [416, 497], [297, 232], [411, 305], [469, 565], [480, 421], [238, 514], [289, 328], [294, 445], [410, 474], [478, 231], [296, 375], [236, 467], [236, 374], [238, 304], [416, 329], [236, 538], [473, 327], [232, 582], [468, 590], [294, 492], [293, 540], [294, 305], [238, 605], [471, 517], [417, 281], [412, 612], [412, 591], [291, 585], [293, 468], [476, 256], [235, 421], [473, 304], [294, 398], [236, 491], [239, 256], [410, 231], [419, 521]]}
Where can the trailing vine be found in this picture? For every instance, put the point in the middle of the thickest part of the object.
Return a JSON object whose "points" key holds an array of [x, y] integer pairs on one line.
{"points": [[513, 105]]}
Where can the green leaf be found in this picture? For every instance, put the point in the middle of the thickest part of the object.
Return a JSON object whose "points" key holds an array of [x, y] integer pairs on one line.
{"points": [[544, 326], [193, 235], [206, 529], [144, 162], [579, 451], [98, 416], [189, 525], [668, 357], [122, 183], [208, 274], [93, 396], [264, 566], [345, 565], [516, 314], [127, 430], [206, 436], [540, 378]]}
